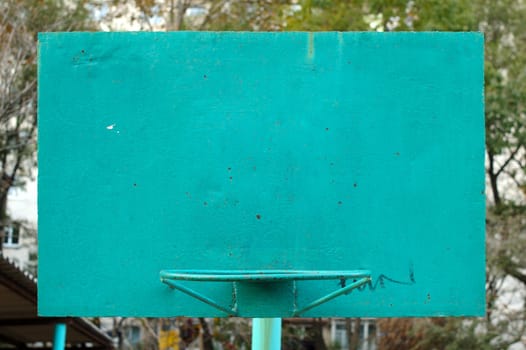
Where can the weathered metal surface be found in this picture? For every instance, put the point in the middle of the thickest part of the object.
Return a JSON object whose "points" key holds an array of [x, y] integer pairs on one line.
{"points": [[286, 151]]}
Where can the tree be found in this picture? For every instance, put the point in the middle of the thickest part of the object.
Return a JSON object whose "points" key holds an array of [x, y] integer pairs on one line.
{"points": [[20, 20], [173, 15]]}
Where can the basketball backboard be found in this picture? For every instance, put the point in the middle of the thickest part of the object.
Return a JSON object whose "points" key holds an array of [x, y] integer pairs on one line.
{"points": [[261, 151]]}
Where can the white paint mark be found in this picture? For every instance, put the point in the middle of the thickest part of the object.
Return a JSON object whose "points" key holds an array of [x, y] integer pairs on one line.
{"points": [[110, 127]]}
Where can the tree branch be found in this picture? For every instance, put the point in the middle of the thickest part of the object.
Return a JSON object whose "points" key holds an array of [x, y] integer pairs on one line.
{"points": [[493, 178], [510, 158]]}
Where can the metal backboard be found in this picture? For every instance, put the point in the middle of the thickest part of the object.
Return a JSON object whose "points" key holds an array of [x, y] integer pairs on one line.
{"points": [[258, 151]]}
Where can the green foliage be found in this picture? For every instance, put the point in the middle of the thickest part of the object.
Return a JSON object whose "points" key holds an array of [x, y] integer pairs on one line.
{"points": [[257, 15], [453, 334], [232, 333], [384, 15], [445, 15], [323, 15], [504, 27]]}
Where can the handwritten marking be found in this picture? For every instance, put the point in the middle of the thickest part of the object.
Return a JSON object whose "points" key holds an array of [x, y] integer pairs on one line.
{"points": [[381, 281]]}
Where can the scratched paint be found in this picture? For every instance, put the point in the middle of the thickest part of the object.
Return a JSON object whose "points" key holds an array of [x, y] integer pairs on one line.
{"points": [[303, 151], [310, 48]]}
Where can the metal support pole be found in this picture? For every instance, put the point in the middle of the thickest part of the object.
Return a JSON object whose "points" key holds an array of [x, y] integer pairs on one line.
{"points": [[266, 333], [59, 342]]}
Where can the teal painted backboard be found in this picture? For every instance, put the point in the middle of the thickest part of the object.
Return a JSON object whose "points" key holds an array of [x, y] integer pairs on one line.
{"points": [[258, 151]]}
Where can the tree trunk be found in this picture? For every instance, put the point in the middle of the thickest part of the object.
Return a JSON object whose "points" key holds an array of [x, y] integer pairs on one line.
{"points": [[493, 177], [117, 332], [207, 336], [348, 331], [3, 219], [176, 15], [319, 342], [354, 339]]}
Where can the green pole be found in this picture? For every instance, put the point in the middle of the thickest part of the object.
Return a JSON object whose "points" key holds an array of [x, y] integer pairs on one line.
{"points": [[59, 342], [266, 333]]}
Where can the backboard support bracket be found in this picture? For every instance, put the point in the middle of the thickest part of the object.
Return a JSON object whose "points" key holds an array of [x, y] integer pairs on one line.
{"points": [[357, 279]]}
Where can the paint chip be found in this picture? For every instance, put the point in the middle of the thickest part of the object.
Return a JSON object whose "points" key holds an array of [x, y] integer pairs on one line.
{"points": [[110, 127]]}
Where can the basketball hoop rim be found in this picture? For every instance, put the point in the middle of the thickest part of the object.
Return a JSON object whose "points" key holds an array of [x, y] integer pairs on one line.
{"points": [[261, 275]]}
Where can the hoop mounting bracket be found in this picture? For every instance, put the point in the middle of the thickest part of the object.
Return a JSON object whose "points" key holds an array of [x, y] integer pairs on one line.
{"points": [[172, 277]]}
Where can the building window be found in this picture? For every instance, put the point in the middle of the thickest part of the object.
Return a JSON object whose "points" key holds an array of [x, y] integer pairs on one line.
{"points": [[367, 336], [133, 334], [12, 235]]}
